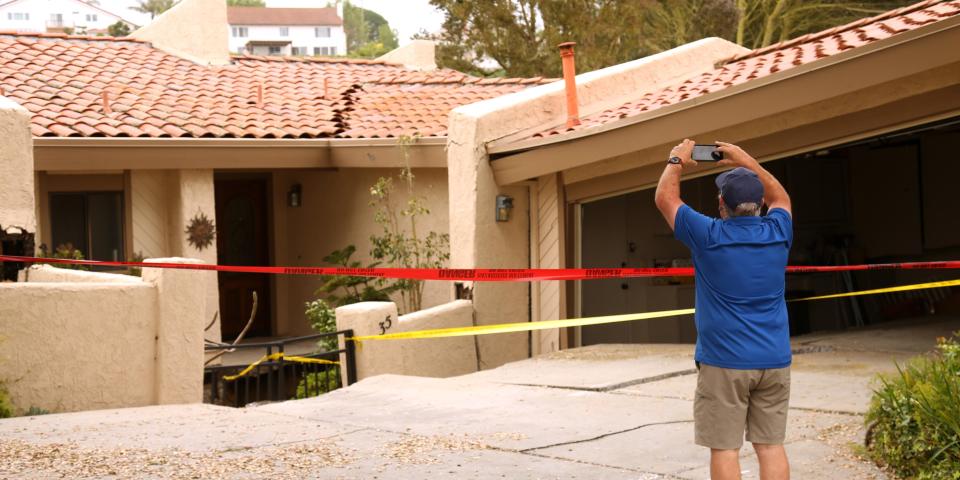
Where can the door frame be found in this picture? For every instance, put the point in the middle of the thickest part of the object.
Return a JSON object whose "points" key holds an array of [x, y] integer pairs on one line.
{"points": [[269, 220]]}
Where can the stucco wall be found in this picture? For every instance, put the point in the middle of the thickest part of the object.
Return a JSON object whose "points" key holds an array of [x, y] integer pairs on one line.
{"points": [[78, 346], [68, 345], [336, 213], [435, 357], [17, 204], [162, 205], [51, 274]]}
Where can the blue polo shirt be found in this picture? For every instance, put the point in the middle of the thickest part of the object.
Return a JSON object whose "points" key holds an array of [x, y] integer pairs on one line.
{"points": [[741, 315]]}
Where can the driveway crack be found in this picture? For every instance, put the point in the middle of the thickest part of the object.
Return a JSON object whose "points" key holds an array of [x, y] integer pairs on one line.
{"points": [[605, 435]]}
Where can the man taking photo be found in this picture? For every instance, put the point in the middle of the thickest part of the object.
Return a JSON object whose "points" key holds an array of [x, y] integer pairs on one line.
{"points": [[743, 336]]}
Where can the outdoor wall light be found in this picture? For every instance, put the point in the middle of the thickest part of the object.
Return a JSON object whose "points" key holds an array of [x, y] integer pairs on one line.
{"points": [[295, 196], [504, 205]]}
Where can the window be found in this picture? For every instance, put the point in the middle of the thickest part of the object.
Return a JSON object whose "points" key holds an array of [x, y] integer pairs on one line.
{"points": [[284, 31], [90, 221], [273, 51], [56, 19], [18, 16], [324, 50], [321, 31], [316, 51], [239, 32], [91, 17], [301, 51], [333, 50]]}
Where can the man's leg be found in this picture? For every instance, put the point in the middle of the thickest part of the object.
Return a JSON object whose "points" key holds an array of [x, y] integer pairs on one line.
{"points": [[724, 464], [767, 423], [773, 462], [720, 415]]}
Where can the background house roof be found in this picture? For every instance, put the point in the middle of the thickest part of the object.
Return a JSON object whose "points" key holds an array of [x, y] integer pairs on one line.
{"points": [[775, 58], [78, 86], [282, 16]]}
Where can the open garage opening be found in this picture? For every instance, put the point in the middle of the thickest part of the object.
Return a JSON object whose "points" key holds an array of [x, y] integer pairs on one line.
{"points": [[891, 198]]}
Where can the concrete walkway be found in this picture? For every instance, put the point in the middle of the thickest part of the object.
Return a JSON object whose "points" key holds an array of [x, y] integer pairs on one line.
{"points": [[611, 411]]}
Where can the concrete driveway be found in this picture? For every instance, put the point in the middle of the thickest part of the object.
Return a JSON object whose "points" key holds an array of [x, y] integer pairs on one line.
{"points": [[610, 411]]}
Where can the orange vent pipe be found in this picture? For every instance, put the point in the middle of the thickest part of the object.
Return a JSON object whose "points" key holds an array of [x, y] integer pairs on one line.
{"points": [[570, 80]]}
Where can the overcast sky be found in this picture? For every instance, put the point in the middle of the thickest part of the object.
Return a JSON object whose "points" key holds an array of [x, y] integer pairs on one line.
{"points": [[406, 16]]}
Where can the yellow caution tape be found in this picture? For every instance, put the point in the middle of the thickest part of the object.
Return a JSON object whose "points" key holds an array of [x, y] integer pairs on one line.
{"points": [[579, 322], [278, 356], [902, 288]]}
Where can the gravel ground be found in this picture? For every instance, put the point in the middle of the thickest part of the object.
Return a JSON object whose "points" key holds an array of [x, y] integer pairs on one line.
{"points": [[19, 459]]}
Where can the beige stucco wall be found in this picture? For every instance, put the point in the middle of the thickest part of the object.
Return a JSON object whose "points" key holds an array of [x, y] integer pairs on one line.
{"points": [[336, 213], [17, 204], [477, 241], [51, 274], [435, 357], [162, 204], [193, 29], [69, 344]]}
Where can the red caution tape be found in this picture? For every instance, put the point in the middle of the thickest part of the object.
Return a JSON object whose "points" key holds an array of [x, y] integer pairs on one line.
{"points": [[477, 274]]}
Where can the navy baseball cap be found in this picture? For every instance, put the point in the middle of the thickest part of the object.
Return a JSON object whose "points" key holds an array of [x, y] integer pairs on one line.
{"points": [[740, 185]]}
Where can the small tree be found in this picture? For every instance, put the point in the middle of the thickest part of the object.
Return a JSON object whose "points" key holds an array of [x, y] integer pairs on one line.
{"points": [[246, 3], [119, 29], [400, 244]]}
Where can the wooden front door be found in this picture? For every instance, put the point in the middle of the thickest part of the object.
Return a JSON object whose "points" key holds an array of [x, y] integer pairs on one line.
{"points": [[242, 239]]}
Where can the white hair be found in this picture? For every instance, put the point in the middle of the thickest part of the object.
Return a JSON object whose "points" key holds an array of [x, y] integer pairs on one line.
{"points": [[746, 209]]}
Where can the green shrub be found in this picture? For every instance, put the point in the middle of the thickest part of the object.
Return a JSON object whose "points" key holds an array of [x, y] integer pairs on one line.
{"points": [[314, 384], [6, 407], [34, 411], [915, 417]]}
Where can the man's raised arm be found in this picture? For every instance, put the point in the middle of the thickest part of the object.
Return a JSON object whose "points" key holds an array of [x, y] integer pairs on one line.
{"points": [[667, 197], [774, 195]]}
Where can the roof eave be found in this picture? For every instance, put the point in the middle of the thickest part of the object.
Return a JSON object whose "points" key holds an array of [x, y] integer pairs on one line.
{"points": [[111, 154]]}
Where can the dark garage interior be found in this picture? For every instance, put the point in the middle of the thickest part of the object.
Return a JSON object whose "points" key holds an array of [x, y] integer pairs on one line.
{"points": [[891, 198]]}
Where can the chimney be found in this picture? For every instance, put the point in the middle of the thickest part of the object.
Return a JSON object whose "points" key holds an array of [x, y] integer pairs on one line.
{"points": [[416, 55], [570, 80], [195, 30]]}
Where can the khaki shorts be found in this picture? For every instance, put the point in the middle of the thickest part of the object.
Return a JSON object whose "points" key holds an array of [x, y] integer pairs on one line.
{"points": [[728, 401]]}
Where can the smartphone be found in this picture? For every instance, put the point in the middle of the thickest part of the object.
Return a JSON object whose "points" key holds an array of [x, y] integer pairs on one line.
{"points": [[706, 153]]}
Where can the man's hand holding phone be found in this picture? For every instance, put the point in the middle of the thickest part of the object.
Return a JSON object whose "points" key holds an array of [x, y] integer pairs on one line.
{"points": [[684, 151], [735, 156]]}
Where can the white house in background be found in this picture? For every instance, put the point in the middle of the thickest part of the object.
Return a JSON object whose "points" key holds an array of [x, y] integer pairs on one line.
{"points": [[57, 16], [287, 31]]}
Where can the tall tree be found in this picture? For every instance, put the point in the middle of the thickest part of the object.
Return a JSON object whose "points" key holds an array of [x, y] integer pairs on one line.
{"points": [[519, 37], [368, 34], [153, 7], [246, 3]]}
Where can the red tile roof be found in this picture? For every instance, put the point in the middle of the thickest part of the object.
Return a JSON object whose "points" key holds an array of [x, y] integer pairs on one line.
{"points": [[775, 58], [282, 16], [118, 87]]}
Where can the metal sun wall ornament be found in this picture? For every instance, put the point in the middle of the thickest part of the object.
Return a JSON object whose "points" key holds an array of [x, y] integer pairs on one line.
{"points": [[200, 232]]}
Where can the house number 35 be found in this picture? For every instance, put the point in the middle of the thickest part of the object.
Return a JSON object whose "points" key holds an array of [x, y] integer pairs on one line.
{"points": [[385, 325]]}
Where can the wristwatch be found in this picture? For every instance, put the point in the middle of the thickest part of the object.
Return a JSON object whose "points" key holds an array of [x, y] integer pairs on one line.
{"points": [[675, 160]]}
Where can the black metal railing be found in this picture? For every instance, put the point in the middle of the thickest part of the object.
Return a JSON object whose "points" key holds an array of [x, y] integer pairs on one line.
{"points": [[279, 378]]}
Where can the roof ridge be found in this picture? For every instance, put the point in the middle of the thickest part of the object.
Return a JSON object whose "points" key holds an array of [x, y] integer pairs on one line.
{"points": [[811, 37], [292, 59], [64, 36]]}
